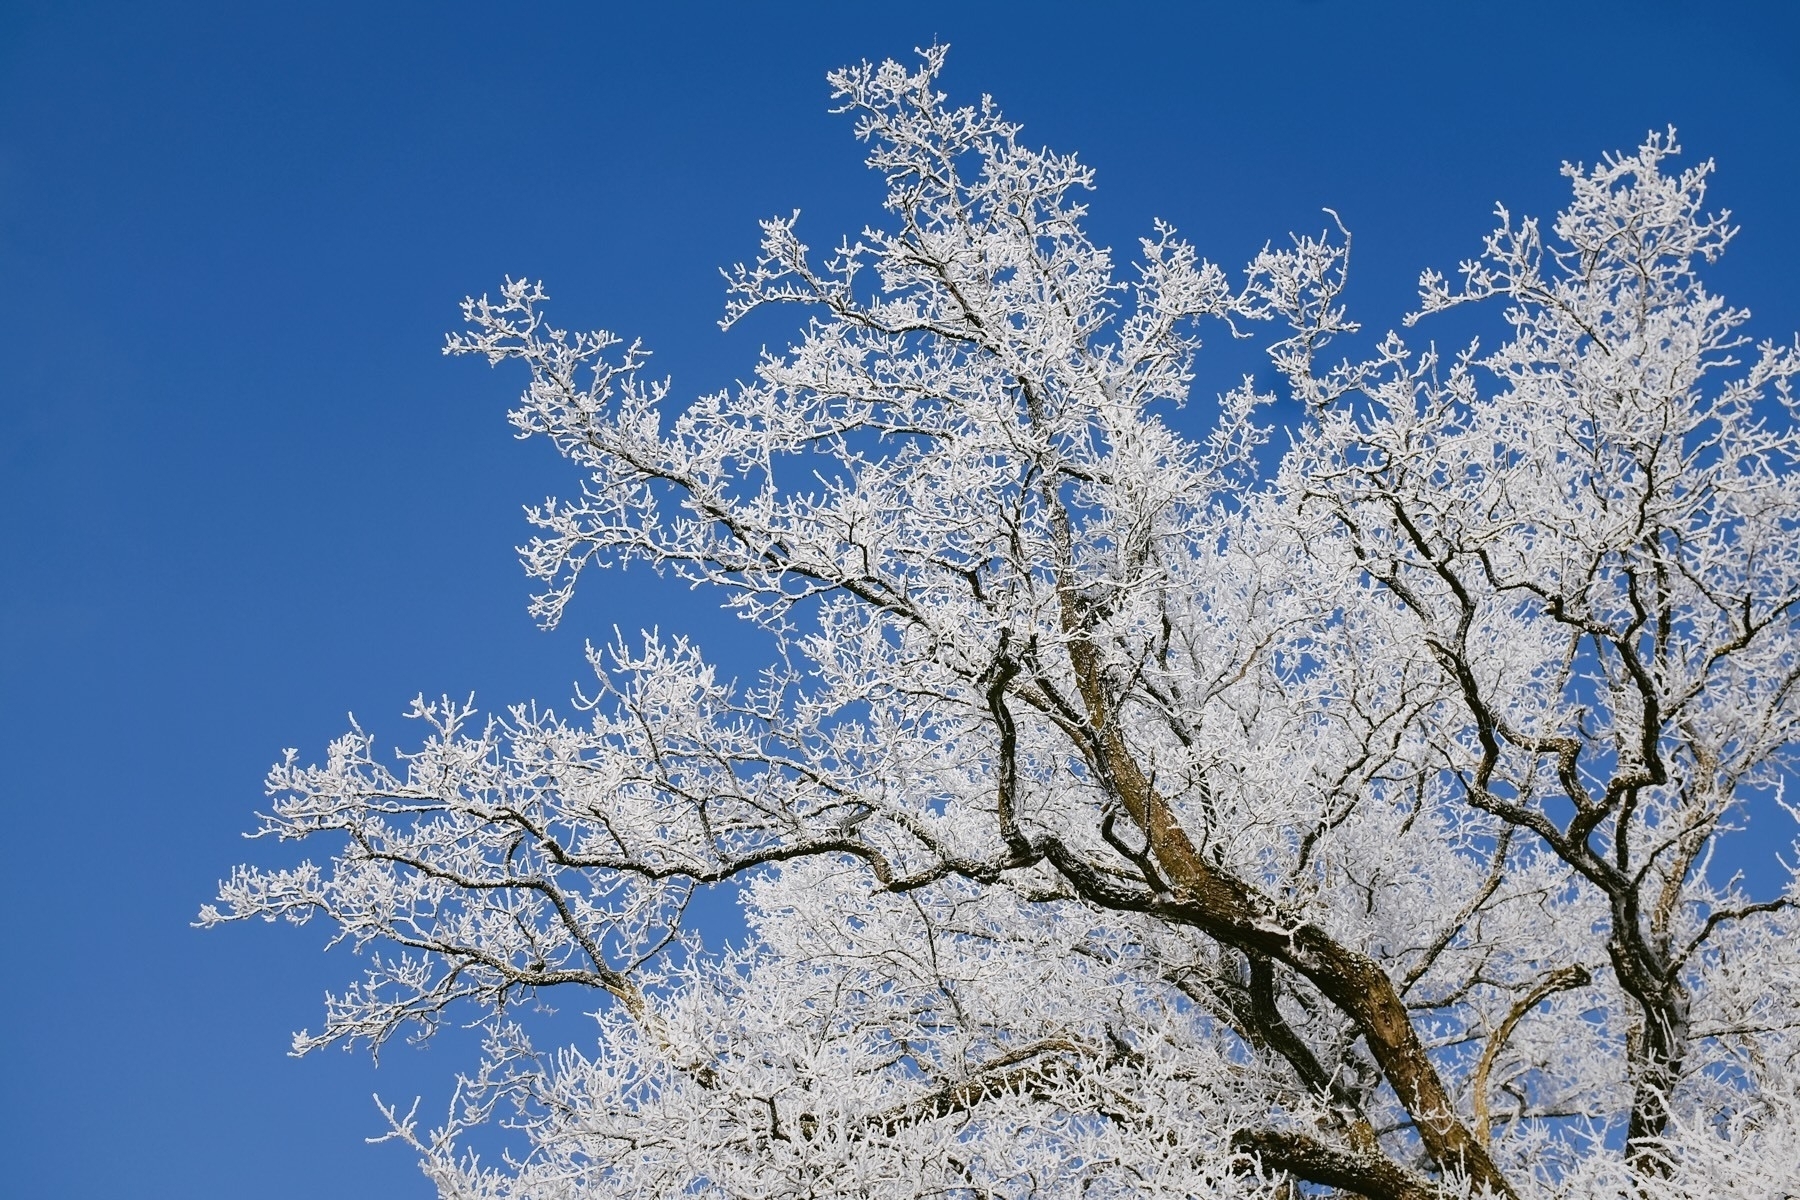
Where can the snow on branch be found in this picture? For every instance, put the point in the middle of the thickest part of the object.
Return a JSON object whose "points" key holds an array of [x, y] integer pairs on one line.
{"points": [[1129, 808]]}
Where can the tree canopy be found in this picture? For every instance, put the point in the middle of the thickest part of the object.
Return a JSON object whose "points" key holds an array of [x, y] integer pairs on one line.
{"points": [[1126, 810]]}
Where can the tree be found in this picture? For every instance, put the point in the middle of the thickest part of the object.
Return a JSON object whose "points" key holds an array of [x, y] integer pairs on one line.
{"points": [[1124, 812]]}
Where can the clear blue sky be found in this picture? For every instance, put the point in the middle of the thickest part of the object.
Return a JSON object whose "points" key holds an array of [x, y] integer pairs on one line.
{"points": [[241, 493]]}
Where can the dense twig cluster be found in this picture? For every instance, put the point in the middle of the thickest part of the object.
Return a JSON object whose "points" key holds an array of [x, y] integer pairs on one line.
{"points": [[1123, 818]]}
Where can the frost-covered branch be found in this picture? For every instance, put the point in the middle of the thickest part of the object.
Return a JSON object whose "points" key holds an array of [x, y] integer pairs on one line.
{"points": [[1129, 809]]}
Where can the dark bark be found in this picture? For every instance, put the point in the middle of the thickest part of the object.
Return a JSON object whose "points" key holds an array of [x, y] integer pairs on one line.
{"points": [[1215, 901]]}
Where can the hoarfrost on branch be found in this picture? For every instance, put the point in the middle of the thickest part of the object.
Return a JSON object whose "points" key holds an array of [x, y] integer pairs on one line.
{"points": [[1125, 812]]}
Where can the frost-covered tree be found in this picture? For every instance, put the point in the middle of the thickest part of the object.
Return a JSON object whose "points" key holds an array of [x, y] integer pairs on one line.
{"points": [[1123, 811]]}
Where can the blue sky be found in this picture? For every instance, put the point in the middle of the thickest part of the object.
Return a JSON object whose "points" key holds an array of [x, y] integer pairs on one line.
{"points": [[241, 493]]}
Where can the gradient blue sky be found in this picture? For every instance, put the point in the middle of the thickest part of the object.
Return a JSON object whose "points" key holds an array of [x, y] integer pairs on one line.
{"points": [[241, 492]]}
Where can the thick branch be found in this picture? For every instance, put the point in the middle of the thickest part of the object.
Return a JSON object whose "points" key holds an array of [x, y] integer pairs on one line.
{"points": [[1233, 912]]}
